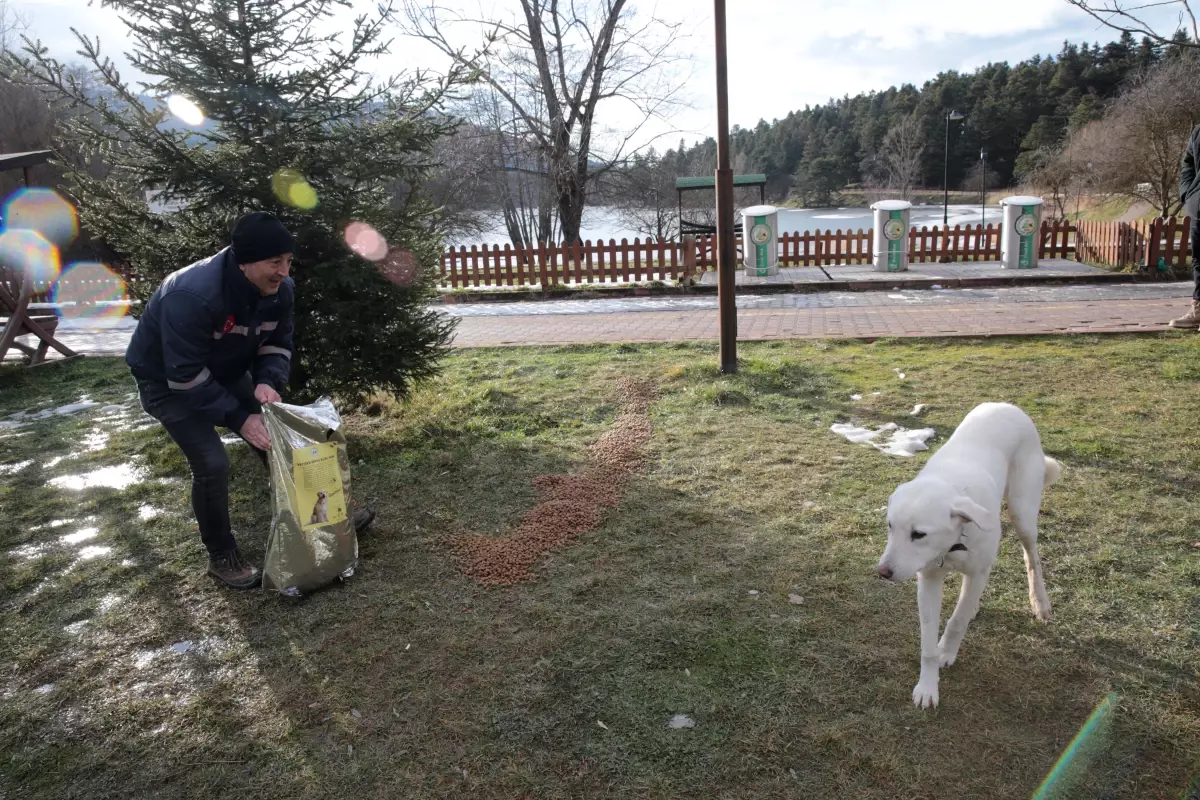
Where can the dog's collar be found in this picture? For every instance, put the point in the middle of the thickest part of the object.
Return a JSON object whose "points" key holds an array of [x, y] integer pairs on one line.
{"points": [[956, 547]]}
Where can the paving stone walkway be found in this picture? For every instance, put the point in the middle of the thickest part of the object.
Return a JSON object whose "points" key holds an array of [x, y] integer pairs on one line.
{"points": [[1023, 310], [951, 312]]}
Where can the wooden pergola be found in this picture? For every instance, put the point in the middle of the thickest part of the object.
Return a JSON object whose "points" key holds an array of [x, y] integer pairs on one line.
{"points": [[709, 184], [23, 161], [17, 288]]}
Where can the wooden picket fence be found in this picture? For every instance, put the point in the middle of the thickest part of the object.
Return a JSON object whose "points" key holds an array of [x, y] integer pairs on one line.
{"points": [[662, 260], [1138, 245]]}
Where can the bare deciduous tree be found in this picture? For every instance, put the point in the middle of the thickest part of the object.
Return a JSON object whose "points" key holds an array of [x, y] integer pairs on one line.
{"points": [[554, 65], [1134, 17], [645, 198], [1062, 172], [1135, 150], [12, 25], [900, 156]]}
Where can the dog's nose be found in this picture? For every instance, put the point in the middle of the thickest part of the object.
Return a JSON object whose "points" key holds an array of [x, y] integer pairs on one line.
{"points": [[885, 572]]}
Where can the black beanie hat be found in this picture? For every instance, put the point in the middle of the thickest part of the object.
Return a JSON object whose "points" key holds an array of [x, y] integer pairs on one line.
{"points": [[259, 236]]}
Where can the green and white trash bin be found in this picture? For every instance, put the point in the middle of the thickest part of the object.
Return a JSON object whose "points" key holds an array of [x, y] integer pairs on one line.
{"points": [[1019, 238], [890, 239], [760, 226]]}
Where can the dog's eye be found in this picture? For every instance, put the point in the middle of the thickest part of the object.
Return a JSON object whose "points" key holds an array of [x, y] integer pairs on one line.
{"points": [[917, 535]]}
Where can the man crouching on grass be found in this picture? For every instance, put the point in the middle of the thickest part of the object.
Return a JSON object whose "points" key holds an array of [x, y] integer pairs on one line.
{"points": [[213, 344]]}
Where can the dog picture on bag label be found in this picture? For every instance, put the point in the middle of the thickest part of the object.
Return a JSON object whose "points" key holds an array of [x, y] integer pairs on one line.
{"points": [[947, 519], [320, 513]]}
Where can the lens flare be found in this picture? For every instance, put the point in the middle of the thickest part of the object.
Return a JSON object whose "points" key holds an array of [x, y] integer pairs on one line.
{"points": [[400, 267], [366, 241], [292, 189], [186, 110], [1083, 750], [29, 252], [91, 293], [44, 211]]}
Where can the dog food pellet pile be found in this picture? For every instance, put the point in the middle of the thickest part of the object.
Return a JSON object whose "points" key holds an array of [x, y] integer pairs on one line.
{"points": [[569, 505]]}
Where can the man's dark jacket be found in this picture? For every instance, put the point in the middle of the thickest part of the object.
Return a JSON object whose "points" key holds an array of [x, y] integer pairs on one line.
{"points": [[205, 328], [1189, 180]]}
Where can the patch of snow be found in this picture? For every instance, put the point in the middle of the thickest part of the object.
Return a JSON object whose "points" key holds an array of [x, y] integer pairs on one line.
{"points": [[919, 409], [856, 397], [183, 647], [146, 512], [681, 721], [93, 552], [113, 410], [54, 462], [54, 523], [121, 476], [109, 602], [74, 408], [45, 688], [795, 599], [853, 433], [901, 442], [81, 535], [95, 440], [76, 628], [28, 552], [12, 469]]}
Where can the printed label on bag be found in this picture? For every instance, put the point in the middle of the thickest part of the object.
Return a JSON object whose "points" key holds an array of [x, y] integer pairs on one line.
{"points": [[318, 479]]}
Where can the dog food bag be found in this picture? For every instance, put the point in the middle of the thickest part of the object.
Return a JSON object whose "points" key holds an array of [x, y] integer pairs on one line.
{"points": [[312, 541]]}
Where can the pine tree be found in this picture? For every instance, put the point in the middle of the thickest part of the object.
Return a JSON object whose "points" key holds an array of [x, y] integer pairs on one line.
{"points": [[294, 126]]}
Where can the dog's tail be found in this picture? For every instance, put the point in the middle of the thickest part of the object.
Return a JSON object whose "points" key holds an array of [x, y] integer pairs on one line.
{"points": [[1053, 471]]}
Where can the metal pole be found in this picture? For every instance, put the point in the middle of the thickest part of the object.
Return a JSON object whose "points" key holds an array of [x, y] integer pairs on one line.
{"points": [[946, 175], [983, 187], [726, 254]]}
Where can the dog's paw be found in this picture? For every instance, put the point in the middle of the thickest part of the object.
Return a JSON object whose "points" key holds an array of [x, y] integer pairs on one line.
{"points": [[948, 657], [1041, 609], [925, 695]]}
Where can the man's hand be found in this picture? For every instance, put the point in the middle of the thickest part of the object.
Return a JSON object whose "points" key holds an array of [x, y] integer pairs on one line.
{"points": [[255, 432], [265, 393]]}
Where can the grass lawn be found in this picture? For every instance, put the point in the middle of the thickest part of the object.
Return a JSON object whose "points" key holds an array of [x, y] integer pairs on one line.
{"points": [[124, 671]]}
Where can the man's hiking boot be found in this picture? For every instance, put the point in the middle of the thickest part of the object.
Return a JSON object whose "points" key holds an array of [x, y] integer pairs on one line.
{"points": [[362, 519], [1190, 319], [233, 571]]}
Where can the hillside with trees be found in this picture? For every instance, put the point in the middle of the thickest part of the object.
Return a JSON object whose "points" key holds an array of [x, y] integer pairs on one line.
{"points": [[895, 136]]}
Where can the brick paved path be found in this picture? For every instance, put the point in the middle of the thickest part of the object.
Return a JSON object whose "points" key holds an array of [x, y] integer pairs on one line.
{"points": [[949, 312], [1045, 310]]}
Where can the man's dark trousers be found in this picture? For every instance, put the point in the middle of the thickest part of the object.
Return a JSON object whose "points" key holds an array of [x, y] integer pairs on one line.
{"points": [[205, 453]]}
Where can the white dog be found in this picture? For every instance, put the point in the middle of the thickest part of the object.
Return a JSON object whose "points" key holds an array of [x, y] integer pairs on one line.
{"points": [[947, 520]]}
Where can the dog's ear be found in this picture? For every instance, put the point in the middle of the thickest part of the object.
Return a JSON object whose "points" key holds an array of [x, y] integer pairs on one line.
{"points": [[964, 509]]}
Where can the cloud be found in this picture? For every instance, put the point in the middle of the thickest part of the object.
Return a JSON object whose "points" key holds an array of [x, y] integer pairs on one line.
{"points": [[783, 54]]}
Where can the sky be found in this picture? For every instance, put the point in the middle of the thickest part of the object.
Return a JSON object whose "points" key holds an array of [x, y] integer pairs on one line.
{"points": [[783, 54]]}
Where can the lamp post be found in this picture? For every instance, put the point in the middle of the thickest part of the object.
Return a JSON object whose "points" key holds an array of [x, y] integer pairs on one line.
{"points": [[726, 253], [982, 186], [951, 114]]}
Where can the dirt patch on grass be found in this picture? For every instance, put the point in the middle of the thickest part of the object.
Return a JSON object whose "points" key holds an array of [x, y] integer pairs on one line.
{"points": [[568, 505]]}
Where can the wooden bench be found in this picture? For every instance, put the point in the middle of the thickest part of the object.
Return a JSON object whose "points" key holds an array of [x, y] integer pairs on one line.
{"points": [[16, 292]]}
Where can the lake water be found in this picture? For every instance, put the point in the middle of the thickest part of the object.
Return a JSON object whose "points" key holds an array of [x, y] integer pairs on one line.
{"points": [[601, 222]]}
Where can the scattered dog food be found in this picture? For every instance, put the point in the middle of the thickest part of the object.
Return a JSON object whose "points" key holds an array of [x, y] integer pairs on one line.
{"points": [[570, 505]]}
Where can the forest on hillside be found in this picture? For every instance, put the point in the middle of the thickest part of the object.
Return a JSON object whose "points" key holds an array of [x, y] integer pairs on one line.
{"points": [[1011, 111]]}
